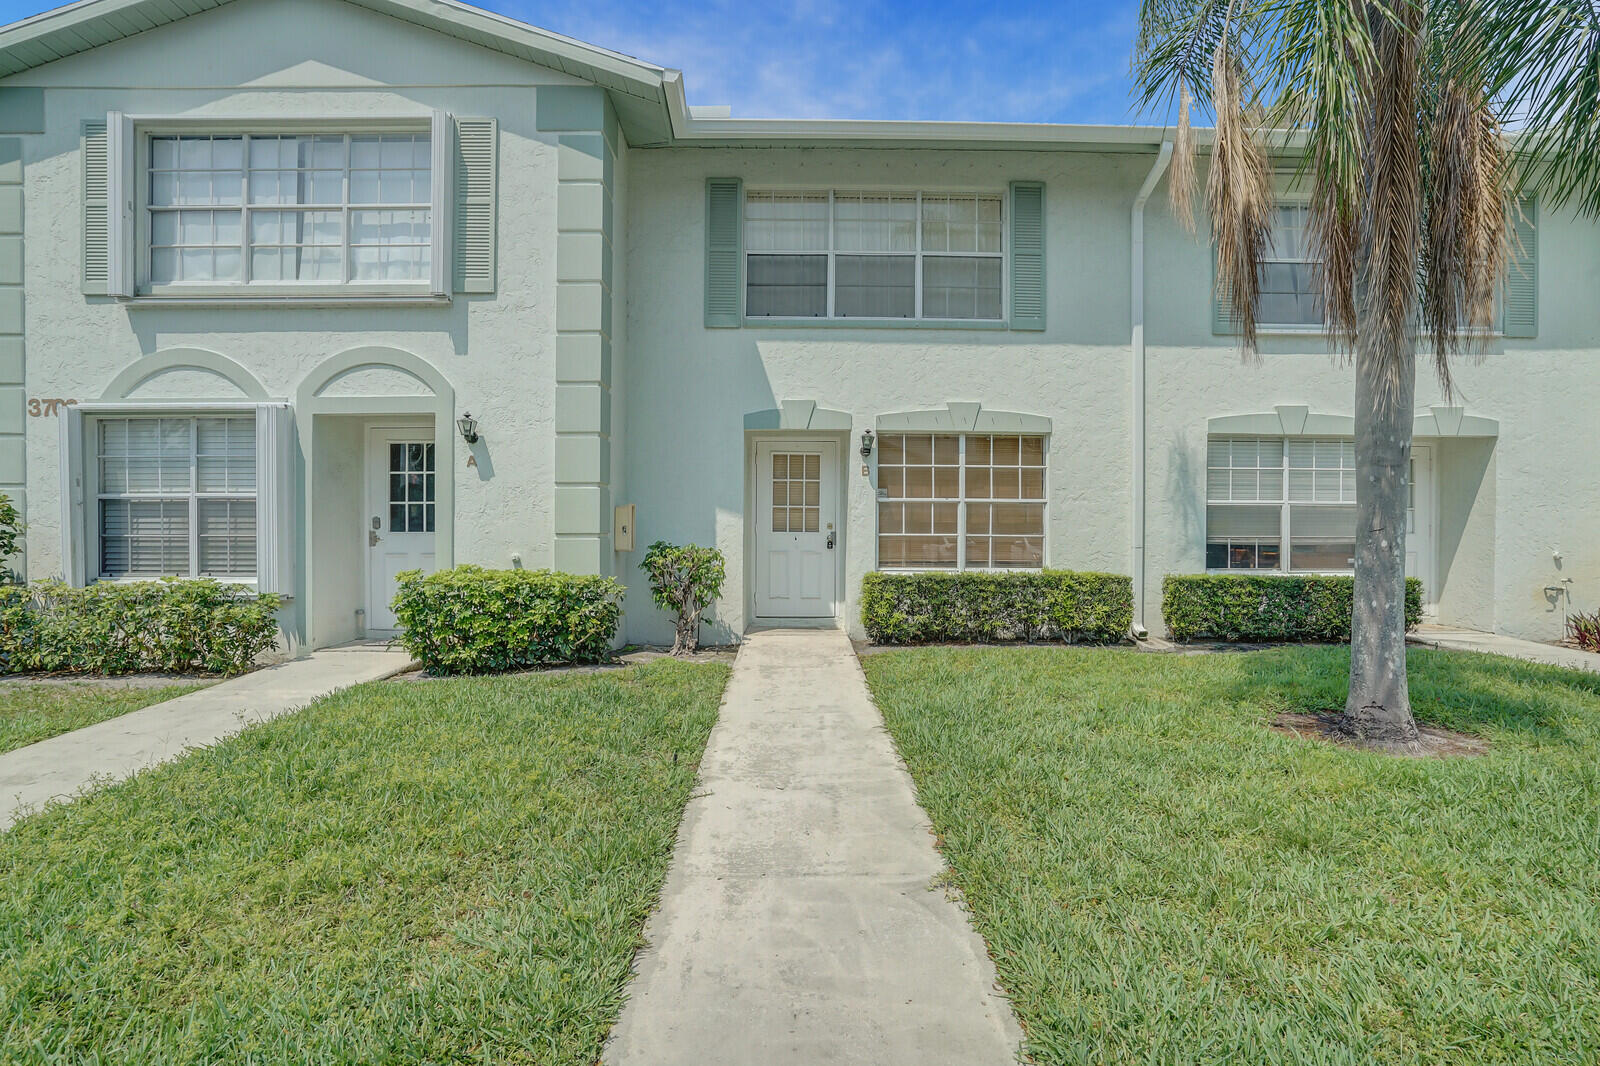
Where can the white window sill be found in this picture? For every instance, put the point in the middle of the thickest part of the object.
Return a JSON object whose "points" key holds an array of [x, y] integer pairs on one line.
{"points": [[1281, 573], [292, 295], [242, 584], [761, 322], [968, 570]]}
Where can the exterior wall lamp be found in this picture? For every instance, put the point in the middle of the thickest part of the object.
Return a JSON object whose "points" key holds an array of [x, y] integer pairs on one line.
{"points": [[866, 444], [468, 427]]}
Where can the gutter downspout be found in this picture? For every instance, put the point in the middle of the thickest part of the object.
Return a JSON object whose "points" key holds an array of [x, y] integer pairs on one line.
{"points": [[1163, 158]]}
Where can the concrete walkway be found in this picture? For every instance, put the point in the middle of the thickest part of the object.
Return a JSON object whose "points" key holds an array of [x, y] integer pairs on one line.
{"points": [[119, 747], [802, 920], [1434, 636]]}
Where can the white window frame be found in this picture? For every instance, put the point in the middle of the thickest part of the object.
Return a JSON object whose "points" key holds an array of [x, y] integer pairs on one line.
{"points": [[961, 500], [129, 193], [1272, 257], [1285, 507], [918, 255], [192, 497]]}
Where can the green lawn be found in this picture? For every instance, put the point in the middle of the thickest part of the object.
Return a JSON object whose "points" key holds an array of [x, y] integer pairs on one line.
{"points": [[1161, 879], [441, 871], [33, 711]]}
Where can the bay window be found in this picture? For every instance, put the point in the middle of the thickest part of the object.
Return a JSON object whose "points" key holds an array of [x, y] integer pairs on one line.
{"points": [[1280, 503], [874, 255], [960, 501]]}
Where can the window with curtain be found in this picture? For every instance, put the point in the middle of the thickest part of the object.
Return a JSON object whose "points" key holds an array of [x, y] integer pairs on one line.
{"points": [[1276, 503], [960, 501], [884, 255], [176, 497], [309, 208]]}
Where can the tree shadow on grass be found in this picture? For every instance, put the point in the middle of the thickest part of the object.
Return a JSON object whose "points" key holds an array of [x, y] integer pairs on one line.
{"points": [[1472, 693]]}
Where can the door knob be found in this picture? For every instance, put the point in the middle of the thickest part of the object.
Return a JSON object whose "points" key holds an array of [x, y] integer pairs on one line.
{"points": [[830, 541], [373, 538]]}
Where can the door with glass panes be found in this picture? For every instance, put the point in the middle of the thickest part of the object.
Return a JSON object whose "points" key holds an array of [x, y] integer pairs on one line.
{"points": [[797, 539], [400, 513]]}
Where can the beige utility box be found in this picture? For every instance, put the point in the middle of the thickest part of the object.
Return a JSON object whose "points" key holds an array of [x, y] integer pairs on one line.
{"points": [[622, 529]]}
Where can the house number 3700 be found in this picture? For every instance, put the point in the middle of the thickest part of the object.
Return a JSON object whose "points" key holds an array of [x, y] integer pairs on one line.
{"points": [[38, 407]]}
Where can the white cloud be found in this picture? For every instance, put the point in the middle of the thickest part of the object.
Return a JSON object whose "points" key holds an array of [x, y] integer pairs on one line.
{"points": [[1061, 62]]}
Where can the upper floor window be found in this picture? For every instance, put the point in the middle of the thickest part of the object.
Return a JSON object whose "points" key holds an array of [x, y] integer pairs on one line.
{"points": [[957, 502], [1290, 278], [882, 255], [319, 209]]}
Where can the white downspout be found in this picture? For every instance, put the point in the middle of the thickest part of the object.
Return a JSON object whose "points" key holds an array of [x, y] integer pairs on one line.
{"points": [[1162, 159]]}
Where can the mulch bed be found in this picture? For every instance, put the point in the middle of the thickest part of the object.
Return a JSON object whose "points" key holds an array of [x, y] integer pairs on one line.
{"points": [[1432, 741]]}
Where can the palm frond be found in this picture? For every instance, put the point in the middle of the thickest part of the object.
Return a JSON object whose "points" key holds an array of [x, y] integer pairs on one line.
{"points": [[1238, 194], [1181, 179]]}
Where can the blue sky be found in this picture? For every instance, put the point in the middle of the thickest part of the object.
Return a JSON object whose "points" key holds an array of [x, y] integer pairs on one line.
{"points": [[1061, 61]]}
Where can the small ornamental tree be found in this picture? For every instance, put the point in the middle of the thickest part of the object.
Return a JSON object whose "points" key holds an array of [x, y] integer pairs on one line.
{"points": [[684, 580]]}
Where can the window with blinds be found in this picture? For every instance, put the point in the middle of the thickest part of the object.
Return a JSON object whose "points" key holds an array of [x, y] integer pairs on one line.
{"points": [[176, 497], [1275, 503], [838, 254], [955, 502]]}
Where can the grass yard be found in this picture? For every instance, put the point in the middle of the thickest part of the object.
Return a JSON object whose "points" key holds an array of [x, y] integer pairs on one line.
{"points": [[1162, 879], [31, 711], [440, 871]]}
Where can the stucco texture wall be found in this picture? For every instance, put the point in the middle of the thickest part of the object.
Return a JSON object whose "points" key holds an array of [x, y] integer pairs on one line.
{"points": [[1506, 504], [496, 351], [690, 387]]}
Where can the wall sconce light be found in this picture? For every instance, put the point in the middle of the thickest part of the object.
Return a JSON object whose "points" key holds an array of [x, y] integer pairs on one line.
{"points": [[468, 427], [866, 444]]}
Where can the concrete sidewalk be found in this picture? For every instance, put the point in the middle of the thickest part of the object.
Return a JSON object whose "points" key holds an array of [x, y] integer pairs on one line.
{"points": [[1435, 636], [118, 747], [802, 920]]}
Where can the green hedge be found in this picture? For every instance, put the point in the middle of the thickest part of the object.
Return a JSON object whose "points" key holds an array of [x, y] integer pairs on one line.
{"points": [[170, 626], [1250, 607], [473, 621], [982, 607]]}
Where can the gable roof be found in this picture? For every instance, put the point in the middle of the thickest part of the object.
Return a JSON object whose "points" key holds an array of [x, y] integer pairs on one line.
{"points": [[649, 100], [638, 89]]}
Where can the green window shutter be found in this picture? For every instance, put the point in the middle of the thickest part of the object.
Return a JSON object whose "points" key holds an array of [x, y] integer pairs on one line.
{"points": [[474, 238], [1522, 273], [1223, 322], [1027, 255], [724, 251], [96, 220]]}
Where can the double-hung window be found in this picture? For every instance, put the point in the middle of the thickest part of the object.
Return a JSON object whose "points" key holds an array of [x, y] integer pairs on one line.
{"points": [[956, 502], [1290, 274], [175, 496], [1280, 503], [874, 255], [307, 209]]}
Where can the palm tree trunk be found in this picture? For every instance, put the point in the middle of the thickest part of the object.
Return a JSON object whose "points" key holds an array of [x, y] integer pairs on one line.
{"points": [[1377, 710]]}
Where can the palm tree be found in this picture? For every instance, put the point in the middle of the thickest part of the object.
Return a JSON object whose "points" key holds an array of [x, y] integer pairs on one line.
{"points": [[1393, 112]]}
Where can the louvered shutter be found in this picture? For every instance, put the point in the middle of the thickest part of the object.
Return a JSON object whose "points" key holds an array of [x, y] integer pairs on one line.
{"points": [[476, 141], [1027, 255], [275, 498], [724, 251], [1223, 321], [1522, 274], [96, 227], [74, 530]]}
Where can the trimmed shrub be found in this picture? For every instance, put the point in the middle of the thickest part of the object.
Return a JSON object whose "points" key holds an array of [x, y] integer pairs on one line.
{"points": [[469, 620], [975, 607], [684, 580], [1267, 609], [178, 626]]}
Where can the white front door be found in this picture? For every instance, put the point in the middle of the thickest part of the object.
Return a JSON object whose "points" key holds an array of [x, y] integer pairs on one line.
{"points": [[797, 534], [400, 513], [1420, 521]]}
